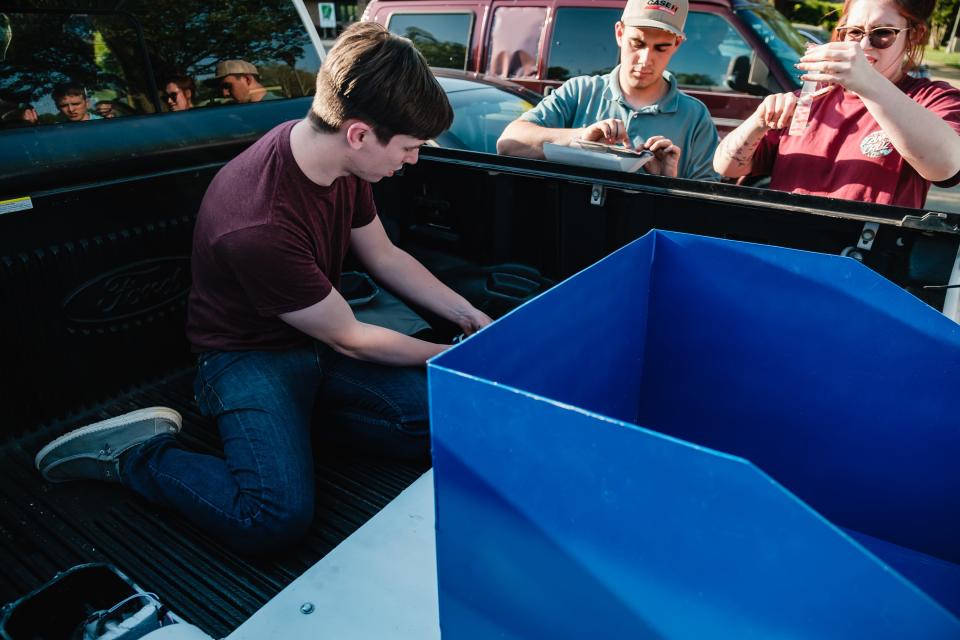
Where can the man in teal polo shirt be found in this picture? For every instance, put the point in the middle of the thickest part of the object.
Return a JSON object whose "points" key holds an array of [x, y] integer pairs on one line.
{"points": [[637, 104]]}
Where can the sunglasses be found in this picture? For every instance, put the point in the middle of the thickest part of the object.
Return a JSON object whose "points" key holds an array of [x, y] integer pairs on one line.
{"points": [[171, 96], [880, 38]]}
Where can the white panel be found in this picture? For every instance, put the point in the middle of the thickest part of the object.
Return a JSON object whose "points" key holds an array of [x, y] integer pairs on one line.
{"points": [[381, 582]]}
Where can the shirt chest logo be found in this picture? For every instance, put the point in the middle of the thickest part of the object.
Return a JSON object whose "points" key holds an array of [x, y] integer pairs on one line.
{"points": [[876, 145]]}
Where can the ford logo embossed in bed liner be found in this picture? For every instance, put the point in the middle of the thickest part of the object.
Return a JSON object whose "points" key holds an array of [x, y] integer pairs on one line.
{"points": [[130, 292]]}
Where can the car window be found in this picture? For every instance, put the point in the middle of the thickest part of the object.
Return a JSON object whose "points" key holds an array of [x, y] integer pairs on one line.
{"points": [[778, 34], [583, 43], [705, 58], [267, 35], [480, 116], [77, 58], [515, 41], [77, 64], [442, 38]]}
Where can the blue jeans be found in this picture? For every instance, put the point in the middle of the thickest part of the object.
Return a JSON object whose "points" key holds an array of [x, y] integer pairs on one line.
{"points": [[259, 497]]}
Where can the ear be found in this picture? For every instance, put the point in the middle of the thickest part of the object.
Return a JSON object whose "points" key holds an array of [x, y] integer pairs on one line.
{"points": [[618, 31], [357, 133]]}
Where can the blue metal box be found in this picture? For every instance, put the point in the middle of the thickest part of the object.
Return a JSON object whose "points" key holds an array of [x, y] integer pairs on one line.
{"points": [[699, 438]]}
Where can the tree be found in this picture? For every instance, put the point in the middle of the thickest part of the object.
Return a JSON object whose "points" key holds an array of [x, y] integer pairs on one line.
{"points": [[180, 36], [942, 21], [446, 54]]}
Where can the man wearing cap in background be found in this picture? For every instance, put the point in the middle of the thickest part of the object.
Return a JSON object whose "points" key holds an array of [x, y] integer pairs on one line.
{"points": [[637, 104], [240, 80]]}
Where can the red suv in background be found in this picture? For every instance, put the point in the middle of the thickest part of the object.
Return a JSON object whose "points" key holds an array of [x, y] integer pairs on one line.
{"points": [[734, 52]]}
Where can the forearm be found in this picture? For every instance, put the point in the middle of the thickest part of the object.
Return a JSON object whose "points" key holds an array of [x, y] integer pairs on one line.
{"points": [[525, 139], [332, 322], [376, 344], [402, 274], [924, 140], [734, 155]]}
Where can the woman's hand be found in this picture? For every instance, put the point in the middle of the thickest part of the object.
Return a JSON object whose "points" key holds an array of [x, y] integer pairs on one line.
{"points": [[609, 131], [734, 155], [842, 63], [775, 111]]}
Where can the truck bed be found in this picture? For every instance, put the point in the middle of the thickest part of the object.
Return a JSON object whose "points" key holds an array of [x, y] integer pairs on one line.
{"points": [[93, 288], [46, 528]]}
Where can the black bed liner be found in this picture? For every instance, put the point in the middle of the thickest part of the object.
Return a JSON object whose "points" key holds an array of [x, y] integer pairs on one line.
{"points": [[46, 528]]}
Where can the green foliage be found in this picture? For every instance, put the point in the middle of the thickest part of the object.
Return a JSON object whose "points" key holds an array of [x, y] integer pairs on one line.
{"points": [[816, 12], [943, 16], [826, 14], [101, 51], [446, 54]]}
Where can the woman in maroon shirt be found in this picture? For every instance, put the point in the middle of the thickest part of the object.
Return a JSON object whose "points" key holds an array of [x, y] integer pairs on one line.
{"points": [[875, 133]]}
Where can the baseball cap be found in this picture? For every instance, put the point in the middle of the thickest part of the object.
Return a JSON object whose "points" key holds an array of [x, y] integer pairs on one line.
{"points": [[659, 14], [231, 67]]}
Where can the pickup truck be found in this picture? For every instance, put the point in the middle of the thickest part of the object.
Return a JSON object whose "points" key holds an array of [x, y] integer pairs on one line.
{"points": [[95, 239], [735, 51]]}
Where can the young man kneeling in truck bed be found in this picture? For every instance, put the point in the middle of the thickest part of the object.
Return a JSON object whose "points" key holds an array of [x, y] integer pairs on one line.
{"points": [[636, 104], [271, 331]]}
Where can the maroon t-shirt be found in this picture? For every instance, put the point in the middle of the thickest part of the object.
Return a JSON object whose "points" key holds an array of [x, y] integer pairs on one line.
{"points": [[844, 153], [268, 241]]}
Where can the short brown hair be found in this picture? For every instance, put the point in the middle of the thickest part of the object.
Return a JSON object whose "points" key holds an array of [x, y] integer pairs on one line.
{"points": [[381, 79], [65, 89]]}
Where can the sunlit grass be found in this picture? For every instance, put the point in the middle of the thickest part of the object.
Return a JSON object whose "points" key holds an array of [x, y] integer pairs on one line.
{"points": [[940, 56]]}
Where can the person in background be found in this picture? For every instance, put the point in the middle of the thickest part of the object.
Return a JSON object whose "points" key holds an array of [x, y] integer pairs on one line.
{"points": [[18, 115], [71, 100], [874, 134], [179, 92], [29, 115], [104, 109], [239, 81], [275, 340], [637, 104]]}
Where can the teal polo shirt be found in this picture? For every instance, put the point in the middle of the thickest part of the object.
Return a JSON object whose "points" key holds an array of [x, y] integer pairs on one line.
{"points": [[584, 100]]}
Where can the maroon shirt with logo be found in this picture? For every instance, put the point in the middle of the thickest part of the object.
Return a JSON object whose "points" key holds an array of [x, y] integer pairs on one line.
{"points": [[268, 241], [843, 153]]}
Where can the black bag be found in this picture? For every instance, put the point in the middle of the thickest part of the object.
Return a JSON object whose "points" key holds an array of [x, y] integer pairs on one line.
{"points": [[87, 602]]}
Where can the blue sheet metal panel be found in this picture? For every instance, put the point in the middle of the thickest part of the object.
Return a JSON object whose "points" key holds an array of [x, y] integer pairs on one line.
{"points": [[557, 523], [937, 578], [574, 339], [743, 348], [821, 372]]}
